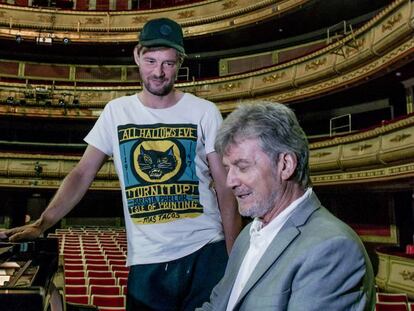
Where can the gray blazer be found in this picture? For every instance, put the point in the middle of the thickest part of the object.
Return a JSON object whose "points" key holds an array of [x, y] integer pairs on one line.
{"points": [[316, 262]]}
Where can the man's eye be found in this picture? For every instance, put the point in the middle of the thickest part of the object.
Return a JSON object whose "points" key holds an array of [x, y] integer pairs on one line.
{"points": [[170, 64]]}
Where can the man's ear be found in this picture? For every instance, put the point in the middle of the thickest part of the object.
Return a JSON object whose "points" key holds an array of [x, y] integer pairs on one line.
{"points": [[287, 164], [136, 56]]}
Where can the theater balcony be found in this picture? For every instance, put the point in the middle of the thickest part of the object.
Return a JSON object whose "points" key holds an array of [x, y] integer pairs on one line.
{"points": [[348, 74]]}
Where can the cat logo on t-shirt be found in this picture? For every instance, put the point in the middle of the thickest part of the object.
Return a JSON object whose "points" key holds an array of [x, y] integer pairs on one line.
{"points": [[158, 163], [157, 160]]}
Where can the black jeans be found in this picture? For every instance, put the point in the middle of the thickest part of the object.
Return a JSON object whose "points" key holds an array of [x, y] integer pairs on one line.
{"points": [[181, 284]]}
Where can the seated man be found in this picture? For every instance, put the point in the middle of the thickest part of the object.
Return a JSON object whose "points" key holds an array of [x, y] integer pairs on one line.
{"points": [[295, 255]]}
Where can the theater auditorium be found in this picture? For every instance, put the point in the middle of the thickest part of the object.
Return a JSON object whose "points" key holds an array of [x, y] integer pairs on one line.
{"points": [[345, 67]]}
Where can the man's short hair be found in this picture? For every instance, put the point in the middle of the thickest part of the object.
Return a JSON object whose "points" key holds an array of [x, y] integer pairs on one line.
{"points": [[277, 129]]}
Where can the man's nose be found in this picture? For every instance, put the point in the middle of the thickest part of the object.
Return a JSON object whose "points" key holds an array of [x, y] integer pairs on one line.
{"points": [[232, 180], [159, 70]]}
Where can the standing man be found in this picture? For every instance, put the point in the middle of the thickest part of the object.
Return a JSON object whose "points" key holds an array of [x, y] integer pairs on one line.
{"points": [[162, 144], [295, 255]]}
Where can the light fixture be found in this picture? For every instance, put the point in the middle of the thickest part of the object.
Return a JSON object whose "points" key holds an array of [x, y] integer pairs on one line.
{"points": [[19, 39], [66, 41]]}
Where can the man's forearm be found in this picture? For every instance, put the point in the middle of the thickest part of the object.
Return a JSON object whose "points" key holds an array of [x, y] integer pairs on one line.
{"points": [[71, 191]]}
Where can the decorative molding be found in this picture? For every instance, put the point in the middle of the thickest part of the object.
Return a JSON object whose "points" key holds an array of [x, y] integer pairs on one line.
{"points": [[390, 23], [379, 174], [186, 14], [274, 77], [208, 16], [320, 154], [94, 21], [361, 148], [230, 4], [400, 137], [140, 19], [279, 83], [354, 48], [407, 275], [313, 66], [229, 86]]}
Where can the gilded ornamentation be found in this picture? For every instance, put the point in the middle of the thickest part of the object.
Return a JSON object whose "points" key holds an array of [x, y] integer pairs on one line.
{"points": [[407, 275], [140, 19], [315, 64], [361, 148], [229, 86], [274, 77], [2, 14], [94, 20], [400, 138], [354, 47], [390, 23], [320, 154], [230, 4], [186, 14], [46, 18]]}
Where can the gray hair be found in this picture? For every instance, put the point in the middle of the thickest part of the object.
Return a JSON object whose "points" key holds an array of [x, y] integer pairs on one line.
{"points": [[277, 129]]}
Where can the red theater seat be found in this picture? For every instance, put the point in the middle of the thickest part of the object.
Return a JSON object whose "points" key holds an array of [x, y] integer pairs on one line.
{"points": [[390, 297], [74, 274], [72, 256], [122, 281], [124, 289], [115, 257], [97, 267], [94, 256], [81, 299], [391, 306], [102, 281], [105, 290], [119, 268], [121, 274], [108, 300], [73, 261], [76, 290], [78, 267], [75, 281], [117, 262], [96, 261], [99, 274]]}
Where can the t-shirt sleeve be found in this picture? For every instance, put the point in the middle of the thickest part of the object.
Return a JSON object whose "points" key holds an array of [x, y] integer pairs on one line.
{"points": [[100, 135], [211, 123]]}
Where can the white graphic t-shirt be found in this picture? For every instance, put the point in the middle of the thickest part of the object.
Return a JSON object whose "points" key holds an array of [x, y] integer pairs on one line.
{"points": [[160, 156]]}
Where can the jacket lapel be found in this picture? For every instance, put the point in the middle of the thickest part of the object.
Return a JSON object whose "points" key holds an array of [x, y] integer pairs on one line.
{"points": [[281, 241], [234, 267]]}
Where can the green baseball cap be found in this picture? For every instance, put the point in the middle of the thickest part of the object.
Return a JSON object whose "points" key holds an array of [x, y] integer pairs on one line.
{"points": [[162, 32]]}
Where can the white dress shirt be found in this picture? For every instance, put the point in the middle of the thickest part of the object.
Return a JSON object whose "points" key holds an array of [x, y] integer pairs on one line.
{"points": [[260, 238]]}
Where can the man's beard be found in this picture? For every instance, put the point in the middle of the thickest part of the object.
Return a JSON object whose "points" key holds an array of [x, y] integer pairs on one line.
{"points": [[259, 209], [165, 90]]}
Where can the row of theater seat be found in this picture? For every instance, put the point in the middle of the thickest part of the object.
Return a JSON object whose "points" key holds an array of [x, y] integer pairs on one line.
{"points": [[96, 273], [393, 302], [94, 265]]}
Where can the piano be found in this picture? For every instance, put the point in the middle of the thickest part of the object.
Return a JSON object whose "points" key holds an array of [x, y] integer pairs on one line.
{"points": [[26, 274]]}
